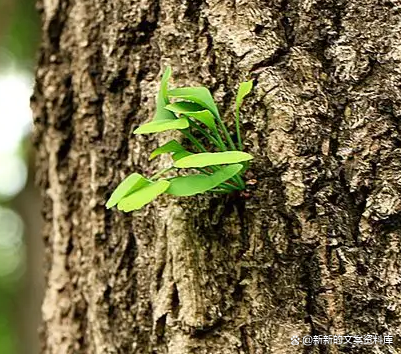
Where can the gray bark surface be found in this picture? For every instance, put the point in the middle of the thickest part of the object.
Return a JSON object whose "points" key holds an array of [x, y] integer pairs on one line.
{"points": [[314, 249]]}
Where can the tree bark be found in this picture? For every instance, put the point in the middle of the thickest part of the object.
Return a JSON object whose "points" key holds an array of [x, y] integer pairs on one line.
{"points": [[313, 248]]}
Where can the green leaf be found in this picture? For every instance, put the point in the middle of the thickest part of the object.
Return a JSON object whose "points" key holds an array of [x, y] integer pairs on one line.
{"points": [[184, 107], [162, 99], [206, 118], [212, 158], [138, 199], [194, 110], [199, 95], [162, 125], [179, 155], [200, 183], [244, 89], [171, 146], [130, 184]]}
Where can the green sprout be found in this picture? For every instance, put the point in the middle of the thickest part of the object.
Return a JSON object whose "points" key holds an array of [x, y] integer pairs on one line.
{"points": [[193, 110]]}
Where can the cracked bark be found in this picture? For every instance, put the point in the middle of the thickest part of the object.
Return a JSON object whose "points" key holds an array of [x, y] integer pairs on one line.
{"points": [[315, 249]]}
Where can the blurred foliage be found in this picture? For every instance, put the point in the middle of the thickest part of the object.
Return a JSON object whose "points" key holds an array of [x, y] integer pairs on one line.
{"points": [[8, 334], [19, 37], [21, 34]]}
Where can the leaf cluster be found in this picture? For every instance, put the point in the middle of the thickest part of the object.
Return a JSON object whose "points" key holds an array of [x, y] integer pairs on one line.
{"points": [[192, 111]]}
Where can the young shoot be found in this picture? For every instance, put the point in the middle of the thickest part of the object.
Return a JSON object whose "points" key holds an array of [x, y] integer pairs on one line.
{"points": [[192, 110]]}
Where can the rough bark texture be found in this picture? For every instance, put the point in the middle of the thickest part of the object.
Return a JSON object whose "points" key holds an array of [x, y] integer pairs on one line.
{"points": [[315, 249]]}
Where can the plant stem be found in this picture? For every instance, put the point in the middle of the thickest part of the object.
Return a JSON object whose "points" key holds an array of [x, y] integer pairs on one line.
{"points": [[216, 133], [226, 133], [233, 187], [240, 181], [240, 147], [206, 134], [193, 140], [239, 184], [200, 147], [198, 144], [158, 174], [228, 186]]}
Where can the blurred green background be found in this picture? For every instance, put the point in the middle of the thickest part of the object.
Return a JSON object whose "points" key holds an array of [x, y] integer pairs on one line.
{"points": [[21, 281]]}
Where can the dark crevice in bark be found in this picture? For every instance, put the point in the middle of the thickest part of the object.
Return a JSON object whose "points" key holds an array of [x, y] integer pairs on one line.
{"points": [[361, 81], [362, 269], [244, 340], [308, 280], [56, 26], [125, 348], [193, 11], [175, 302], [130, 118], [142, 330], [386, 108], [128, 128], [146, 29], [238, 292], [287, 23], [96, 74], [64, 148], [70, 246], [209, 39], [338, 103], [334, 143], [160, 329], [64, 120], [129, 254], [111, 308], [143, 32], [210, 54], [215, 212], [119, 81], [278, 57], [108, 216], [389, 224], [259, 29], [81, 317], [205, 331], [356, 204], [40, 121], [226, 105], [328, 38], [244, 229], [336, 92], [64, 124], [159, 275]]}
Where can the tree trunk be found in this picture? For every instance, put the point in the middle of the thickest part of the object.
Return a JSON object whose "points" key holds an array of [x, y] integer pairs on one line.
{"points": [[313, 248]]}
